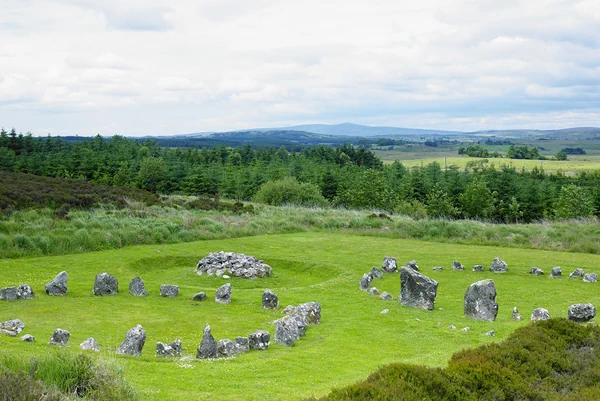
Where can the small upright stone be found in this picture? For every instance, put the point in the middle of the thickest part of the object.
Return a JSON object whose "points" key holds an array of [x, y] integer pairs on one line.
{"points": [[556, 272], [105, 284], [389, 265], [490, 333], [137, 287], [540, 314], [480, 301], [582, 313], [452, 327], [413, 265], [60, 337], [28, 338], [365, 282], [201, 296], [536, 271], [169, 291], [172, 349], [516, 315], [376, 273], [590, 278], [456, 265], [286, 331], [478, 268], [90, 345], [270, 300], [24, 291], [8, 293], [58, 285], [373, 291], [208, 345], [416, 289], [310, 311], [498, 266], [577, 273], [259, 340], [223, 294], [386, 296], [226, 348], [134, 341], [242, 344]]}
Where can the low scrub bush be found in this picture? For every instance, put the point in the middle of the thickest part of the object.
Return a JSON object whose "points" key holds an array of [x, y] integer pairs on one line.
{"points": [[290, 192]]}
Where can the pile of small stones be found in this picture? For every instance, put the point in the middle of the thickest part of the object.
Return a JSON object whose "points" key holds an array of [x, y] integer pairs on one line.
{"points": [[234, 264]]}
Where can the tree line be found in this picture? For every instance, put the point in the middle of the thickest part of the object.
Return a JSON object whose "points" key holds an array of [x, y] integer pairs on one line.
{"points": [[345, 176]]}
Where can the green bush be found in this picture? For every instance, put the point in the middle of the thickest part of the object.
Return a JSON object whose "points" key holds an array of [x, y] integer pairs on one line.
{"points": [[290, 192]]}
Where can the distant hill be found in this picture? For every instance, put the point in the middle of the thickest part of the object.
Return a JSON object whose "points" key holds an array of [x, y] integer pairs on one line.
{"points": [[555, 134], [349, 129]]}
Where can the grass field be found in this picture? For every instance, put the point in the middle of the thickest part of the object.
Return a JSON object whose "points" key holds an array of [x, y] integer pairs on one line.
{"points": [[352, 340]]}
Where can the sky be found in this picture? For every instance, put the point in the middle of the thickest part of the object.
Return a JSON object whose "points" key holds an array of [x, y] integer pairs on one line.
{"points": [[154, 67]]}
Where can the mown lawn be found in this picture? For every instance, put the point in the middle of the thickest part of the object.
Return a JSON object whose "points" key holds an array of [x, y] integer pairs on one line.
{"points": [[352, 340]]}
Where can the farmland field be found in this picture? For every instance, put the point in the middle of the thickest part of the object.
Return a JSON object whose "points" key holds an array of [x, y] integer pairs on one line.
{"points": [[353, 339]]}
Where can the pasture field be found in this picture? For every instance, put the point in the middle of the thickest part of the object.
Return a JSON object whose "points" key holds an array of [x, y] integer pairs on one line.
{"points": [[353, 339]]}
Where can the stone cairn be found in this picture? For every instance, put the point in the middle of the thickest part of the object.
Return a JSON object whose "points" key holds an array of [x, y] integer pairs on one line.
{"points": [[234, 264]]}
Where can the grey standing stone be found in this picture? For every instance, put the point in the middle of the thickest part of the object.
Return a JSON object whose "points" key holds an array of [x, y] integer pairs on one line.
{"points": [[286, 331], [208, 345], [60, 337], [456, 265], [105, 284], [242, 344], [540, 314], [12, 327], [259, 340], [413, 265], [581, 313], [416, 289], [480, 301], [465, 329], [577, 273], [28, 338], [373, 291], [223, 294], [169, 291], [365, 282], [226, 348], [478, 268], [9, 294], [389, 265], [516, 315], [90, 345], [58, 285], [536, 271], [172, 349], [376, 273], [556, 272], [311, 311], [134, 341], [137, 287], [386, 296], [590, 278], [24, 291], [498, 266], [490, 333], [270, 300], [201, 296]]}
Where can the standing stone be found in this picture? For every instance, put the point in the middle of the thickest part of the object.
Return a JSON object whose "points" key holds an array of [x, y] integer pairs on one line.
{"points": [[28, 338], [536, 271], [169, 291], [577, 273], [490, 333], [311, 311], [540, 314], [516, 315], [259, 340], [365, 282], [137, 287], [12, 327], [590, 278], [105, 284], [270, 300], [582, 313], [172, 349], [416, 289], [457, 266], [208, 345], [58, 286], [9, 294], [60, 337], [498, 266], [478, 268], [24, 291], [556, 272], [373, 291], [134, 341], [201, 296], [226, 348], [223, 294], [286, 331], [413, 265], [90, 345], [389, 265], [386, 296], [480, 301], [376, 273], [242, 344]]}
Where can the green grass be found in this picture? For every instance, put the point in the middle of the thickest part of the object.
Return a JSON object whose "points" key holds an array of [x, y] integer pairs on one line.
{"points": [[352, 340]]}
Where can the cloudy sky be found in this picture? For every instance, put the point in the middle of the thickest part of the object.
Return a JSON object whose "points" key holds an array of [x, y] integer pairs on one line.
{"points": [[140, 67]]}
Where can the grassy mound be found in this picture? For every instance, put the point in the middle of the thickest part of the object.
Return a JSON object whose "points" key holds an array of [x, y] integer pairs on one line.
{"points": [[551, 360]]}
